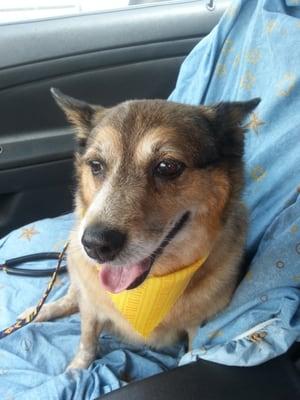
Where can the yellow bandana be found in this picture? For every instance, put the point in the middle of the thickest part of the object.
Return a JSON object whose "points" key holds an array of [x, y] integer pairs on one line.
{"points": [[147, 305]]}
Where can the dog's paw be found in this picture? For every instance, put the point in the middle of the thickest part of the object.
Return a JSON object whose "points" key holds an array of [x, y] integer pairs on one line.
{"points": [[78, 363], [39, 318], [82, 360]]}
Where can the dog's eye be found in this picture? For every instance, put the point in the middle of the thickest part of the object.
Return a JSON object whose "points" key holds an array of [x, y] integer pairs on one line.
{"points": [[168, 169], [96, 166]]}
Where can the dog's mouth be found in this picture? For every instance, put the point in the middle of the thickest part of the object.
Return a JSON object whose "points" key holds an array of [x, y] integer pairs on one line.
{"points": [[117, 279]]}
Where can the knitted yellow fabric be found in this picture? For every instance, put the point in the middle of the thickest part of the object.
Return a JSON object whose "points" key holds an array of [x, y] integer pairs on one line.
{"points": [[147, 305]]}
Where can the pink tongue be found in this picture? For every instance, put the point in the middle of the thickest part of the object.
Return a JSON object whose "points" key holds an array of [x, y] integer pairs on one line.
{"points": [[117, 279]]}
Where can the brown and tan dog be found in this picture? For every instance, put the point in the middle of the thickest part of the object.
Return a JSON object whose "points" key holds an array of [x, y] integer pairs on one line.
{"points": [[146, 169]]}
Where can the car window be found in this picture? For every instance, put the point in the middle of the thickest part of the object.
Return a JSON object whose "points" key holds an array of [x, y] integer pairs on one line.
{"points": [[28, 10]]}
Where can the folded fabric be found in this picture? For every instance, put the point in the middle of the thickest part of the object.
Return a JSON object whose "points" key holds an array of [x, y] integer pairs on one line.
{"points": [[255, 52], [33, 360]]}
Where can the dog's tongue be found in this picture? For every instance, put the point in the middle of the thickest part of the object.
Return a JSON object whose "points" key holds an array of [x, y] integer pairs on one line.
{"points": [[117, 279]]}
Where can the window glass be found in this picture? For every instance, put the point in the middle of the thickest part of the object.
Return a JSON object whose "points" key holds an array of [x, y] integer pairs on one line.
{"points": [[25, 10]]}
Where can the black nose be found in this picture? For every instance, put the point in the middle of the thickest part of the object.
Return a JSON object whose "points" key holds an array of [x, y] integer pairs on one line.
{"points": [[102, 243]]}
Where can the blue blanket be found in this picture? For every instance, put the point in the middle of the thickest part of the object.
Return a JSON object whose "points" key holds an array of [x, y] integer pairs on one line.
{"points": [[254, 51], [33, 359]]}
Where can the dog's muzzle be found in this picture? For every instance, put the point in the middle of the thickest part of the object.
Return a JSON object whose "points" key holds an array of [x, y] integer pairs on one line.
{"points": [[101, 243]]}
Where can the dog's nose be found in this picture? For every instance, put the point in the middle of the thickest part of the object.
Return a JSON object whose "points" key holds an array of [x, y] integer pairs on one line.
{"points": [[102, 243]]}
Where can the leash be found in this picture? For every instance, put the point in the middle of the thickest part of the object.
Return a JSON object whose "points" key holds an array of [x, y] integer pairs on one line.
{"points": [[25, 321], [10, 266]]}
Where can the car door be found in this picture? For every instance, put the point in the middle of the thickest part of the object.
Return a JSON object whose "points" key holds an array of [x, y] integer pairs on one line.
{"points": [[104, 57]]}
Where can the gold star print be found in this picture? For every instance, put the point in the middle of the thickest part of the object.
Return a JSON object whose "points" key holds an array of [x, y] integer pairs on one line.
{"points": [[271, 25], [253, 56], [296, 278], [215, 334], [221, 70], [248, 81], [255, 123], [286, 85], [28, 233], [232, 11], [228, 46], [258, 173], [294, 228], [257, 337]]}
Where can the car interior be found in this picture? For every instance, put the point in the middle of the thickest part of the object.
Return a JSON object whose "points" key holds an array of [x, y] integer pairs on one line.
{"points": [[104, 58]]}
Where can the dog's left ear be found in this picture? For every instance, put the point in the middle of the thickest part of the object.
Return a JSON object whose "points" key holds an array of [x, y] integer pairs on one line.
{"points": [[234, 113], [227, 119], [79, 113]]}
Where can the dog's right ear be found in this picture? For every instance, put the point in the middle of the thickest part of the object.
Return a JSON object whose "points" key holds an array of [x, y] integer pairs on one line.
{"points": [[79, 113]]}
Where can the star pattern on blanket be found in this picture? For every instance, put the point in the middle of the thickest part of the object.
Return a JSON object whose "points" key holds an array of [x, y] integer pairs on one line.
{"points": [[232, 11], [28, 233], [271, 25], [221, 70], [296, 278], [248, 81], [286, 84], [257, 337], [253, 56], [215, 334], [294, 229], [255, 122], [227, 47], [258, 173]]}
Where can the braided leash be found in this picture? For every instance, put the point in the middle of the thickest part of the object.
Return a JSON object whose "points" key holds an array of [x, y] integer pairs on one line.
{"points": [[25, 321]]}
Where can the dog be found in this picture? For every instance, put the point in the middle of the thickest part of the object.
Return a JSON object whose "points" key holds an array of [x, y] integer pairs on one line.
{"points": [[158, 187]]}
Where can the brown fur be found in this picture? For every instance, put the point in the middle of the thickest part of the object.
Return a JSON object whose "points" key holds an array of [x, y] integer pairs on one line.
{"points": [[131, 138]]}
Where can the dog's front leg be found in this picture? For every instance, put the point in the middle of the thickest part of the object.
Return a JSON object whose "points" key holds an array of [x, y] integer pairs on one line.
{"points": [[90, 330], [191, 332], [62, 307]]}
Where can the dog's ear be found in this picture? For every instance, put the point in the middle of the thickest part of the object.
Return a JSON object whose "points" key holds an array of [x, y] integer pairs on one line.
{"points": [[79, 113], [227, 119], [232, 114]]}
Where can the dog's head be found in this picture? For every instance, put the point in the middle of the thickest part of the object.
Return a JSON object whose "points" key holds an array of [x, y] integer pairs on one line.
{"points": [[155, 179]]}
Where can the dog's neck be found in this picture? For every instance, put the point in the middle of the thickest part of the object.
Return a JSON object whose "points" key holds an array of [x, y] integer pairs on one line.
{"points": [[147, 305]]}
